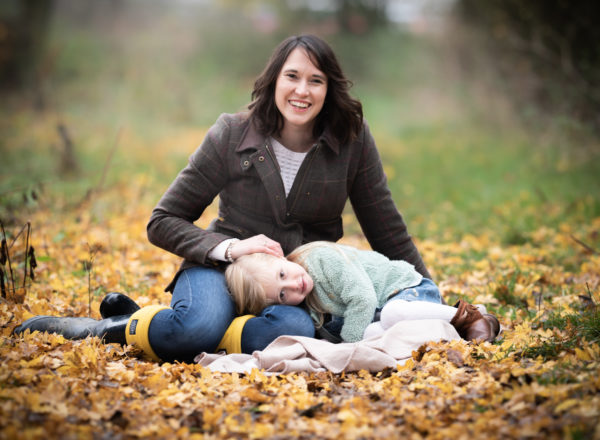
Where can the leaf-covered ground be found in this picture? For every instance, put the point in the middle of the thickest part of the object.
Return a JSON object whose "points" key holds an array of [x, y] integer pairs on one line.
{"points": [[540, 380]]}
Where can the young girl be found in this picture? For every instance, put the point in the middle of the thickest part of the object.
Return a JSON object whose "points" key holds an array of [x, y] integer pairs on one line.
{"points": [[350, 283]]}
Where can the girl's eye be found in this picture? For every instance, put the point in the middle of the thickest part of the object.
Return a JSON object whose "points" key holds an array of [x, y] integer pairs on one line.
{"points": [[281, 296], [281, 275]]}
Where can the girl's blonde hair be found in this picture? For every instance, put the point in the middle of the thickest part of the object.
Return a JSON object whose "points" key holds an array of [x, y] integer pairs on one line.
{"points": [[246, 284]]}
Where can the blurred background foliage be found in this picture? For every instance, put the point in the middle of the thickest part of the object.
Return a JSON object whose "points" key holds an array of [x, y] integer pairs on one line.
{"points": [[486, 113]]}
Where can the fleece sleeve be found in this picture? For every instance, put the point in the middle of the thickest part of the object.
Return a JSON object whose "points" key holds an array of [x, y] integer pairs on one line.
{"points": [[350, 284]]}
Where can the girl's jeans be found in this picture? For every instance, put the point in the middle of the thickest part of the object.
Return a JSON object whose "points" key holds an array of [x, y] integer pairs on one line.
{"points": [[426, 291], [201, 310]]}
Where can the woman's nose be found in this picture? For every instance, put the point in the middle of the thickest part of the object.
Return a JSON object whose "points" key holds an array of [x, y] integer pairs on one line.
{"points": [[301, 88]]}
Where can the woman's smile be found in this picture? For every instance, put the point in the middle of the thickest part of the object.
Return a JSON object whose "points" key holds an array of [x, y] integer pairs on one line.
{"points": [[300, 105]]}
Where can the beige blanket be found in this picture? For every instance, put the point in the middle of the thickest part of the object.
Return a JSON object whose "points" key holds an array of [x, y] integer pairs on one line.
{"points": [[288, 354]]}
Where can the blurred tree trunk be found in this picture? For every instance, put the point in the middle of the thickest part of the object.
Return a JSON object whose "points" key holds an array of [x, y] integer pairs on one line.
{"points": [[23, 33], [360, 16], [546, 52]]}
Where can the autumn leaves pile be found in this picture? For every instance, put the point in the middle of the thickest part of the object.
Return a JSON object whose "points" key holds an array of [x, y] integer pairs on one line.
{"points": [[538, 380]]}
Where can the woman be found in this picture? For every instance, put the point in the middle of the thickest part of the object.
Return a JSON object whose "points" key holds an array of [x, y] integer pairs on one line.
{"points": [[283, 172]]}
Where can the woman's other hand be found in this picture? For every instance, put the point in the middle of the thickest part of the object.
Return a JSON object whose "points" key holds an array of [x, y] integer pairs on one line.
{"points": [[255, 244]]}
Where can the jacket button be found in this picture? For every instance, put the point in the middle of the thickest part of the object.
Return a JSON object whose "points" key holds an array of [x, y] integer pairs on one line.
{"points": [[261, 159], [246, 163], [287, 214], [276, 197]]}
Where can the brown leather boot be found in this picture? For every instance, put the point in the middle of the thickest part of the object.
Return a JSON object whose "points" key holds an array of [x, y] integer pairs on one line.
{"points": [[471, 324]]}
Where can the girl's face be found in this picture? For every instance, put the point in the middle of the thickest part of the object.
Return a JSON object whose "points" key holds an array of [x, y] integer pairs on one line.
{"points": [[285, 282], [300, 90]]}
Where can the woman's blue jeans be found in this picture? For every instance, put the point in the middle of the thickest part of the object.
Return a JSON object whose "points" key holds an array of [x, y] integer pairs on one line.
{"points": [[201, 310]]}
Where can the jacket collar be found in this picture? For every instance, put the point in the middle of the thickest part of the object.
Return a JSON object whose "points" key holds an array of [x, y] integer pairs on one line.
{"points": [[253, 139], [328, 139]]}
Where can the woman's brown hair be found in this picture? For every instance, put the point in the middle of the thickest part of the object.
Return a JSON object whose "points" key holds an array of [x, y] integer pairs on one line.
{"points": [[341, 113]]}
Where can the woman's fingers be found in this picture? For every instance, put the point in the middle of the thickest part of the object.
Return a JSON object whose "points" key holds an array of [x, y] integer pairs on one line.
{"points": [[256, 244], [266, 245], [272, 247]]}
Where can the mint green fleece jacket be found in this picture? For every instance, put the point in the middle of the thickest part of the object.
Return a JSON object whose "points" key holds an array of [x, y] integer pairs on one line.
{"points": [[352, 283]]}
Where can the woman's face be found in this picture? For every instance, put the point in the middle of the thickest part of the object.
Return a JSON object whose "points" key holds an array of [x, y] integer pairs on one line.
{"points": [[300, 91]]}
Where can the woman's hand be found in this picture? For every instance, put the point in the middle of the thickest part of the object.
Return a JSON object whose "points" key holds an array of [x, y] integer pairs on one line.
{"points": [[252, 245]]}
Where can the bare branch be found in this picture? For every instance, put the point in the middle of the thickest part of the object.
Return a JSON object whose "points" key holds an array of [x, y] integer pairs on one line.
{"points": [[585, 246]]}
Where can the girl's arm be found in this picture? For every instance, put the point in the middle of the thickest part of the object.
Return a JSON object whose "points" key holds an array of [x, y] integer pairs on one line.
{"points": [[349, 285]]}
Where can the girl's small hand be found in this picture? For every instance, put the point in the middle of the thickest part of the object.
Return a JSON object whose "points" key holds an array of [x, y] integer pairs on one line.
{"points": [[252, 245]]}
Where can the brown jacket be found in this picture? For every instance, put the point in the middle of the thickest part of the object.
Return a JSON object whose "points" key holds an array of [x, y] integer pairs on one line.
{"points": [[236, 163]]}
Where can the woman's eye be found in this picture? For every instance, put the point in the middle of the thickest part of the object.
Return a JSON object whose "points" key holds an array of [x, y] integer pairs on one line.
{"points": [[291, 75]]}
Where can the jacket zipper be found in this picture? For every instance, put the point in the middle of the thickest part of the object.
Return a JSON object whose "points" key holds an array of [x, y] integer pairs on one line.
{"points": [[273, 158]]}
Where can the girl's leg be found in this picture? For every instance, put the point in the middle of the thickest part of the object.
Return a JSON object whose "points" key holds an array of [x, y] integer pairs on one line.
{"points": [[420, 302], [401, 310], [426, 291], [468, 321], [373, 329]]}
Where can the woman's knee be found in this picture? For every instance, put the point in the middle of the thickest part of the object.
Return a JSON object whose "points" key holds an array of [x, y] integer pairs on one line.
{"points": [[291, 320], [200, 287], [275, 321], [201, 301]]}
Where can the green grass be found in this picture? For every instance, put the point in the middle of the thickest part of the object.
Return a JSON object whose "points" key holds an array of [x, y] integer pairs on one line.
{"points": [[576, 330], [469, 180]]}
